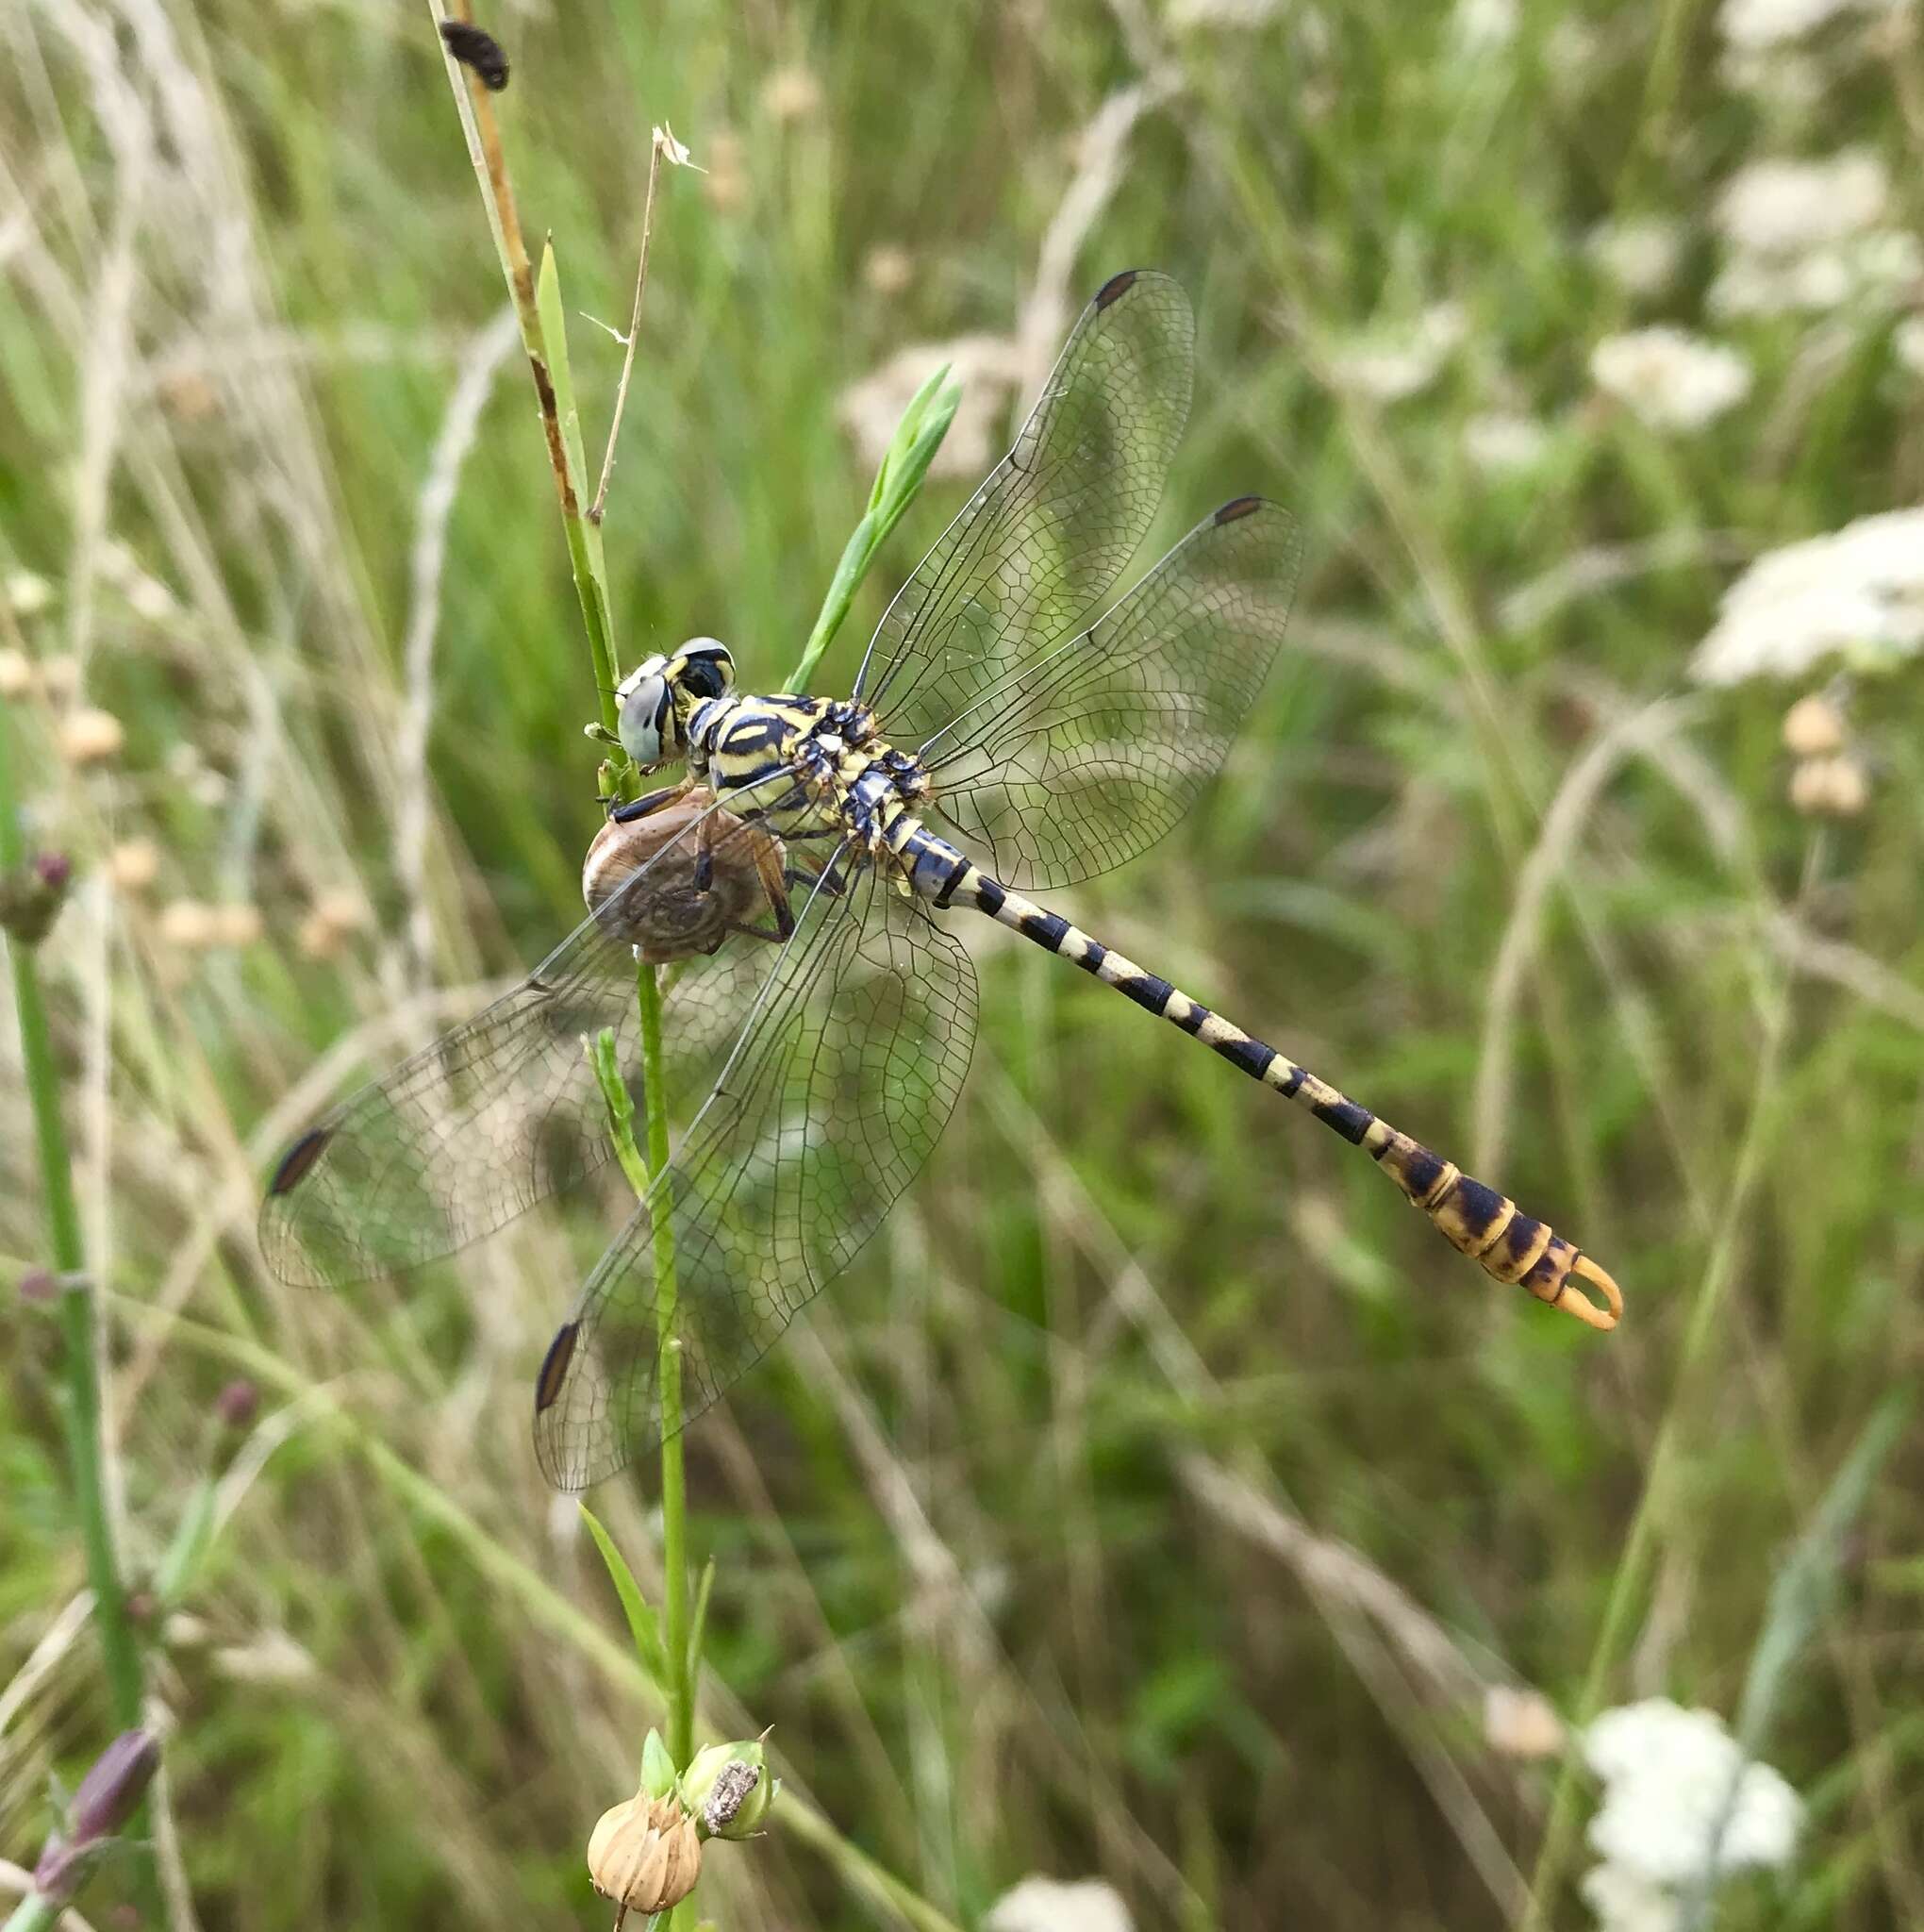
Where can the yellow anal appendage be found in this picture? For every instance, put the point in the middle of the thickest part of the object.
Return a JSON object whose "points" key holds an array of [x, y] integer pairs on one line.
{"points": [[1494, 1233]]}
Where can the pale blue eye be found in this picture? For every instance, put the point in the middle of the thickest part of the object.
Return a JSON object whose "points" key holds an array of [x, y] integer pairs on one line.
{"points": [[642, 712]]}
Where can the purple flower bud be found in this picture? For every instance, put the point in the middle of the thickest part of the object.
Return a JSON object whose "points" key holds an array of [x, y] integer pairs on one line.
{"points": [[40, 1286], [111, 1793], [109, 1796], [52, 870], [238, 1404]]}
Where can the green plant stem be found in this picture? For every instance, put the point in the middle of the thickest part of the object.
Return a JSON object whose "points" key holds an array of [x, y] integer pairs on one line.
{"points": [[78, 1316], [553, 391], [1666, 1455], [674, 1558], [34, 1913], [537, 1598], [539, 309]]}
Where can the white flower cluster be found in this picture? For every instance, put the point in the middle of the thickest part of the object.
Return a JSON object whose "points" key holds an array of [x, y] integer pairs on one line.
{"points": [[1811, 235], [1048, 1905], [1858, 592], [1751, 25], [1680, 1804], [1668, 377], [1640, 254], [1389, 365], [1501, 443], [1484, 26]]}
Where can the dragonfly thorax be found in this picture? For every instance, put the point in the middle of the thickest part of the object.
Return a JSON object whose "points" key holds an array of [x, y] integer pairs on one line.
{"points": [[810, 764]]}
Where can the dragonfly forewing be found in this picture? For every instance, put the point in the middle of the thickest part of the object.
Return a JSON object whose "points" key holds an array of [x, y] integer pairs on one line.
{"points": [[504, 1110], [1037, 549], [1089, 756], [845, 1075]]}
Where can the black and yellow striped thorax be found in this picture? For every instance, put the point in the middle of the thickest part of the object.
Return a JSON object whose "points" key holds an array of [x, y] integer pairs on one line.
{"points": [[807, 766]]}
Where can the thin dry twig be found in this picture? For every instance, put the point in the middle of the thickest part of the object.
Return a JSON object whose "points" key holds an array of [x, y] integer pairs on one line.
{"points": [[1559, 832], [426, 563], [662, 140]]}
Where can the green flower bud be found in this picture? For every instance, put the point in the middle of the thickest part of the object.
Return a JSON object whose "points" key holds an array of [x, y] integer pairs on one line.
{"points": [[657, 1767], [728, 1788]]}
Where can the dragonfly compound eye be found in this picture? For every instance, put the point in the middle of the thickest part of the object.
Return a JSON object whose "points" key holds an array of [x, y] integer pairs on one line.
{"points": [[667, 913], [705, 668], [647, 722]]}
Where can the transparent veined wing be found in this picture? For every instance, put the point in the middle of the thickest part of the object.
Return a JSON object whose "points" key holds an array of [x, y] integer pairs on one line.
{"points": [[1089, 753], [1037, 549], [503, 1110], [844, 1076]]}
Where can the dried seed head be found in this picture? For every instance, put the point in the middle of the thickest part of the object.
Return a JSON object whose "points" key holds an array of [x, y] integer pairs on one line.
{"points": [[186, 396], [60, 674], [724, 187], [791, 93], [26, 594], [337, 915], [188, 925], [1834, 788], [888, 269], [645, 1852], [237, 925], [133, 866], [1522, 1724], [1813, 727], [88, 735]]}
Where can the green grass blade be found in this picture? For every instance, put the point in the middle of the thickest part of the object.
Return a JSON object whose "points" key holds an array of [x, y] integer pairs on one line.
{"points": [[642, 1626]]}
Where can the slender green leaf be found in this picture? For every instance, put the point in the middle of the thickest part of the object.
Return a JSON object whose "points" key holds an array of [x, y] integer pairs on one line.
{"points": [[903, 468], [1805, 1584], [642, 1626]]}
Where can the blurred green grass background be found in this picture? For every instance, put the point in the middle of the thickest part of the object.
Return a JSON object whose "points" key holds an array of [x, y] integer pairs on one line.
{"points": [[1157, 1498]]}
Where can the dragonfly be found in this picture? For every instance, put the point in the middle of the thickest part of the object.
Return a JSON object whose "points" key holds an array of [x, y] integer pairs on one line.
{"points": [[1016, 726]]}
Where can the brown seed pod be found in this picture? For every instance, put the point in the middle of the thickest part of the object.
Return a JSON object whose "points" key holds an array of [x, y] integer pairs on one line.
{"points": [[665, 917], [645, 1852]]}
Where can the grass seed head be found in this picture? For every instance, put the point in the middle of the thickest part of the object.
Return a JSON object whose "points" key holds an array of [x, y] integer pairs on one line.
{"points": [[89, 736], [1813, 727], [1834, 788], [132, 867]]}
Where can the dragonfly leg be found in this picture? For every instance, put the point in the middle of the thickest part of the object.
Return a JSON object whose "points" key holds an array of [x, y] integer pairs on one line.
{"points": [[705, 855], [776, 882], [649, 802]]}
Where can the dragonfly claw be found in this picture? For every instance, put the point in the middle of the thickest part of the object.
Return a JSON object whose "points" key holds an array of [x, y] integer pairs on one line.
{"points": [[1584, 1307]]}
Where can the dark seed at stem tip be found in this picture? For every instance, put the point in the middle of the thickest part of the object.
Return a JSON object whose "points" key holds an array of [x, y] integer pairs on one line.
{"points": [[481, 51]]}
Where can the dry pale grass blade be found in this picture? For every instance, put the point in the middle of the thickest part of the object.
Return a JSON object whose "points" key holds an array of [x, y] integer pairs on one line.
{"points": [[1843, 965], [943, 1592], [1347, 1588], [1609, 567], [481, 363], [1559, 836]]}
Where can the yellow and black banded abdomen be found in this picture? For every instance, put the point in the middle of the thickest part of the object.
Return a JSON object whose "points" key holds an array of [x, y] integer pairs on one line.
{"points": [[1494, 1233]]}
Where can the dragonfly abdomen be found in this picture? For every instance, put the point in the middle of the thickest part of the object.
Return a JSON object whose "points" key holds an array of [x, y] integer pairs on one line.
{"points": [[1472, 1217]]}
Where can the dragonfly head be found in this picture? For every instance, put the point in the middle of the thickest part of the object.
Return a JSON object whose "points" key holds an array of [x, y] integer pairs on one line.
{"points": [[661, 693]]}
